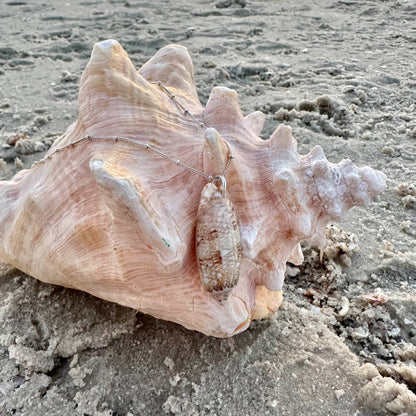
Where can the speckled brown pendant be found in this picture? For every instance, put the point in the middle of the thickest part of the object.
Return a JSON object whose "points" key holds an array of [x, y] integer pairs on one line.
{"points": [[218, 247]]}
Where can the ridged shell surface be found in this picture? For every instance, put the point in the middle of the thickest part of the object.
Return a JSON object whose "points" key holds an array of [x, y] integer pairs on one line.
{"points": [[217, 240]]}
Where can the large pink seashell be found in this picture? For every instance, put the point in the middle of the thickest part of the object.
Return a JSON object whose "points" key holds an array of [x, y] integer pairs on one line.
{"points": [[117, 221]]}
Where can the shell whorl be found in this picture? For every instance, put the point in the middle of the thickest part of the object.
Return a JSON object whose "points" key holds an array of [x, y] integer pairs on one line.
{"points": [[217, 239]]}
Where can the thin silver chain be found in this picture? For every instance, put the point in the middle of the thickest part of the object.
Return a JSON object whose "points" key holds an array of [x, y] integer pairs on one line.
{"points": [[146, 146]]}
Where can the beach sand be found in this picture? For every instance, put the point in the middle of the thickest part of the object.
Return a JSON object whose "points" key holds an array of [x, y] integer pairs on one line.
{"points": [[342, 75]]}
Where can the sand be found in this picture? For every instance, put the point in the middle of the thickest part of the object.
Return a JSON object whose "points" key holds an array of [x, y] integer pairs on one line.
{"points": [[342, 75]]}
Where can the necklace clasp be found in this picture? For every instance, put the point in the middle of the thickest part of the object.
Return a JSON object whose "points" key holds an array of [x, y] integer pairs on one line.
{"points": [[223, 183]]}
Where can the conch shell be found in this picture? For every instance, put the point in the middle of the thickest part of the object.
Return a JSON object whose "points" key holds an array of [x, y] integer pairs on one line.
{"points": [[119, 221]]}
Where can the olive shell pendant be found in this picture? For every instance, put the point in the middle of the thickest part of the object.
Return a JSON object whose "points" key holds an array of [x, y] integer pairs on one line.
{"points": [[218, 247]]}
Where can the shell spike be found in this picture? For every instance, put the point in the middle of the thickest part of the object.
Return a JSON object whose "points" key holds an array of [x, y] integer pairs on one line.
{"points": [[110, 77], [317, 153], [223, 108], [255, 121], [172, 66], [296, 257], [283, 145], [109, 56]]}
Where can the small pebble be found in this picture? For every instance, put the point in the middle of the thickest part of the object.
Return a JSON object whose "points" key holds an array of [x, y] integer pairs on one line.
{"points": [[345, 306], [409, 201], [12, 140], [412, 133], [292, 271], [18, 163], [359, 333], [405, 189], [272, 404], [408, 227], [40, 121], [306, 105], [169, 363], [223, 4], [174, 380], [367, 136], [190, 31], [387, 150], [25, 147], [339, 393], [68, 77]]}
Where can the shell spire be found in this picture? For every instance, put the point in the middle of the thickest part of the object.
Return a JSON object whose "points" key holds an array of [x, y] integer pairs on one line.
{"points": [[317, 191]]}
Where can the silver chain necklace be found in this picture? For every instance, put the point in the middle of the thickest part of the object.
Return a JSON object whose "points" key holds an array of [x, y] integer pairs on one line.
{"points": [[212, 178], [217, 234]]}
